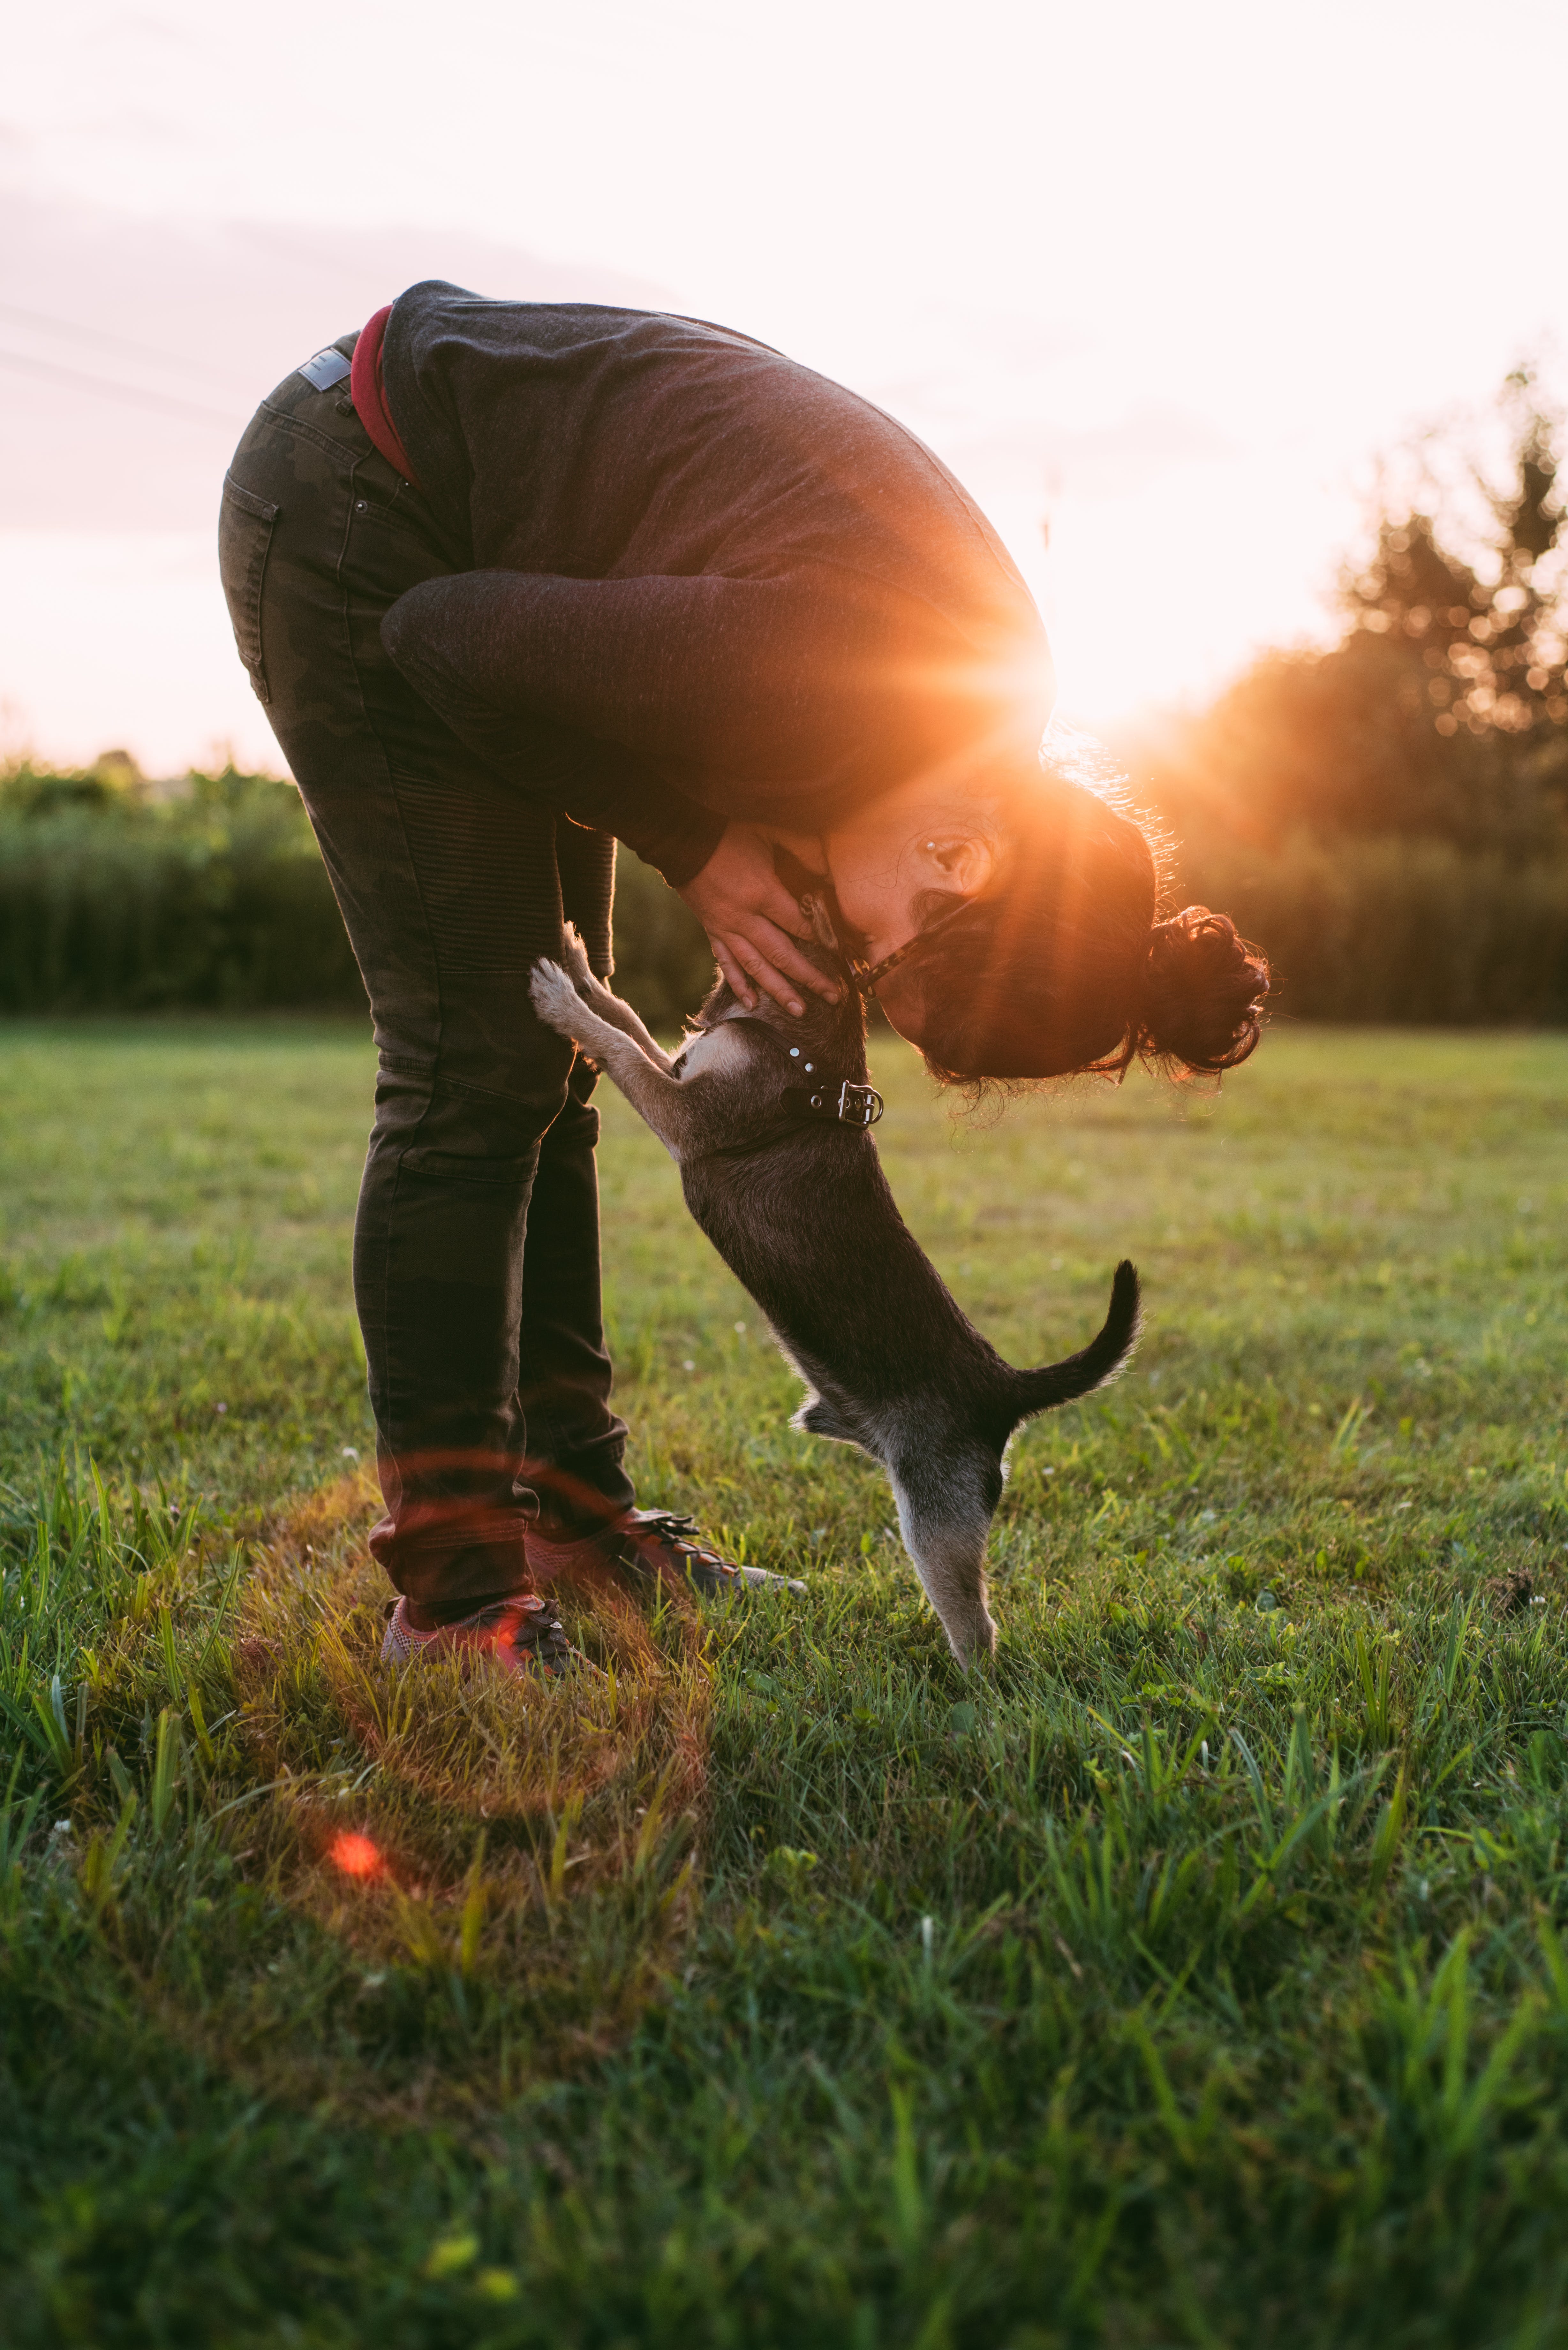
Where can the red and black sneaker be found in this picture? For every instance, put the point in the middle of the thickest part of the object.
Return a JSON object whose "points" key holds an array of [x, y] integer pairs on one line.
{"points": [[646, 1545], [520, 1635]]}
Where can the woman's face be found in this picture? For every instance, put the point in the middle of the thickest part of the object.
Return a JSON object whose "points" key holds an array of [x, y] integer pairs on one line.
{"points": [[886, 857]]}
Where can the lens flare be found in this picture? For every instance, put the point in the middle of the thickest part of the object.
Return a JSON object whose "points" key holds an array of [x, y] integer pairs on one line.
{"points": [[356, 1855]]}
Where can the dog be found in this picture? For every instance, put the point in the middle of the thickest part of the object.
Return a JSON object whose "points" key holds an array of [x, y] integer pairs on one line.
{"points": [[767, 1118]]}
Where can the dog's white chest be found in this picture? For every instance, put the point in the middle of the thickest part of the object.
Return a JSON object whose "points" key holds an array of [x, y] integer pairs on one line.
{"points": [[713, 1051]]}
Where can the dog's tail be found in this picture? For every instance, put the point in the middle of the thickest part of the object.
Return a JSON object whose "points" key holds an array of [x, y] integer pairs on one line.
{"points": [[1100, 1360]]}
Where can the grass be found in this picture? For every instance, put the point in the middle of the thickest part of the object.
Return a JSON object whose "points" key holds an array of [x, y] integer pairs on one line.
{"points": [[1195, 1976]]}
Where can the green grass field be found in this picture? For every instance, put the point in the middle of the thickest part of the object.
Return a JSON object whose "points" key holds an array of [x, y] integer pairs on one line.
{"points": [[1196, 1975]]}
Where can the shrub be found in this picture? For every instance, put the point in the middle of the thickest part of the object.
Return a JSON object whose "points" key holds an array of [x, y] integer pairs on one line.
{"points": [[1397, 930], [113, 901], [663, 963], [217, 899]]}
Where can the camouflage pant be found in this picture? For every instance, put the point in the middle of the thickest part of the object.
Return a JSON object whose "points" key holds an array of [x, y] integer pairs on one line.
{"points": [[476, 1255]]}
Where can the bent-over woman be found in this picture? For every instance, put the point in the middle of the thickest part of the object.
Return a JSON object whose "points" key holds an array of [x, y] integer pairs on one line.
{"points": [[515, 581]]}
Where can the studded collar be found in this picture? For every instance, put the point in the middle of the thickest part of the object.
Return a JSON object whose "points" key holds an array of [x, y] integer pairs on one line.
{"points": [[821, 1096]]}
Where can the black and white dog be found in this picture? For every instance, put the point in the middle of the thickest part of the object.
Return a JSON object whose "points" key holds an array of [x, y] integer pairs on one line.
{"points": [[766, 1117]]}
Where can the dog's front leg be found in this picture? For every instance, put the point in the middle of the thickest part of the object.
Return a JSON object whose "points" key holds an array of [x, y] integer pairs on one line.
{"points": [[662, 1101], [607, 1003]]}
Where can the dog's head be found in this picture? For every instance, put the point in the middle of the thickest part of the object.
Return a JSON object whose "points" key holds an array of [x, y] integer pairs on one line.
{"points": [[835, 1030]]}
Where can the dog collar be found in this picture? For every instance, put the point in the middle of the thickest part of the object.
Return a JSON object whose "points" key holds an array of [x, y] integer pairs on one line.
{"points": [[836, 1101], [828, 1099], [839, 1101]]}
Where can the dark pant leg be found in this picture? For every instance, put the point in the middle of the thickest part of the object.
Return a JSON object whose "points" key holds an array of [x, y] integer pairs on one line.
{"points": [[448, 880], [576, 1443]]}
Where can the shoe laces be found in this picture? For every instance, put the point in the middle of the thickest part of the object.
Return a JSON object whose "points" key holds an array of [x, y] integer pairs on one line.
{"points": [[535, 1626], [676, 1533]]}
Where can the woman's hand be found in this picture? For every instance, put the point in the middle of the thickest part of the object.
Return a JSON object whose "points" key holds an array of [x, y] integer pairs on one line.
{"points": [[750, 918]]}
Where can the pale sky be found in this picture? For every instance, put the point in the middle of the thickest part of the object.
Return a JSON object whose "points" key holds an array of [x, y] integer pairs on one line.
{"points": [[1169, 278]]}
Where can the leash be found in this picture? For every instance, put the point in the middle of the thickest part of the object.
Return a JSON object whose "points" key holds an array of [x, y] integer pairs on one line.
{"points": [[862, 976], [865, 975]]}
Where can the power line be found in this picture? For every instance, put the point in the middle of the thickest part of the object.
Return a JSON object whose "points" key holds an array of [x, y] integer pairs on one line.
{"points": [[119, 392]]}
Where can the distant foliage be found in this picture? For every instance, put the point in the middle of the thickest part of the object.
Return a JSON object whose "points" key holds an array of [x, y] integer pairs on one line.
{"points": [[1388, 819], [112, 900], [1443, 711], [212, 895], [1396, 929], [115, 900], [663, 963], [1489, 630]]}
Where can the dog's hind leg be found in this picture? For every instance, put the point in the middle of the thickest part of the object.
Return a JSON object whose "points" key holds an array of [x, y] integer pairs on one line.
{"points": [[946, 1501]]}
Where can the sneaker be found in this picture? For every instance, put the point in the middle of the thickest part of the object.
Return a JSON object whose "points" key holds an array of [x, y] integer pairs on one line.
{"points": [[646, 1545], [523, 1634]]}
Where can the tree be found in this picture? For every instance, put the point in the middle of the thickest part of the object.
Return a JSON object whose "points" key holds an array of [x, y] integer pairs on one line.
{"points": [[1489, 633], [1443, 711]]}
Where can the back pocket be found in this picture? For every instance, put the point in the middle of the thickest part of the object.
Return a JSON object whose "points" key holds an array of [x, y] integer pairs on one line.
{"points": [[244, 537]]}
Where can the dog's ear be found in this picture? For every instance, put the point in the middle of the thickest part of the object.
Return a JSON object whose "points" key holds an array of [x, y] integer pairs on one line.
{"points": [[815, 908]]}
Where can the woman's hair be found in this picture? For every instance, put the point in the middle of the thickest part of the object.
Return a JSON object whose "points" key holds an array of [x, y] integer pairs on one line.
{"points": [[1060, 966]]}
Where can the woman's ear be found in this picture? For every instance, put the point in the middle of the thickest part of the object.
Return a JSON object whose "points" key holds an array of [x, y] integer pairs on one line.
{"points": [[961, 861]]}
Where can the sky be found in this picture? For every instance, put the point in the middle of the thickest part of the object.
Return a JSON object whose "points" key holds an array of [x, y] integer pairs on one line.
{"points": [[1158, 284]]}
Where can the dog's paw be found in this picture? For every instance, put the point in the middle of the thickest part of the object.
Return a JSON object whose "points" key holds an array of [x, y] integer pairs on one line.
{"points": [[575, 958], [556, 1000], [972, 1636]]}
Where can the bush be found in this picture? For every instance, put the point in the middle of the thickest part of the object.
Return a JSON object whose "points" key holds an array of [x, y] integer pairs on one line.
{"points": [[111, 901], [1397, 930], [217, 899], [663, 963]]}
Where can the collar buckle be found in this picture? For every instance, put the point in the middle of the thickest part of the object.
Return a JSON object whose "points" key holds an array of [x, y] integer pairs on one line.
{"points": [[856, 1106], [835, 1102]]}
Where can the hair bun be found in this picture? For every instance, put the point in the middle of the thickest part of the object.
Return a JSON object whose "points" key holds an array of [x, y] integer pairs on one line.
{"points": [[1203, 990]]}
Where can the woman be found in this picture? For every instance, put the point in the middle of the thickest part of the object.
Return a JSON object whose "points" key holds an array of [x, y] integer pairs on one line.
{"points": [[514, 581]]}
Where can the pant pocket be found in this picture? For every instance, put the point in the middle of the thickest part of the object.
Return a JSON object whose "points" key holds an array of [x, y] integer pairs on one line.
{"points": [[246, 526]]}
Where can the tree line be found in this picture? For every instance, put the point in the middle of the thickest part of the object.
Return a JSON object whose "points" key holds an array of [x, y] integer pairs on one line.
{"points": [[1387, 815]]}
